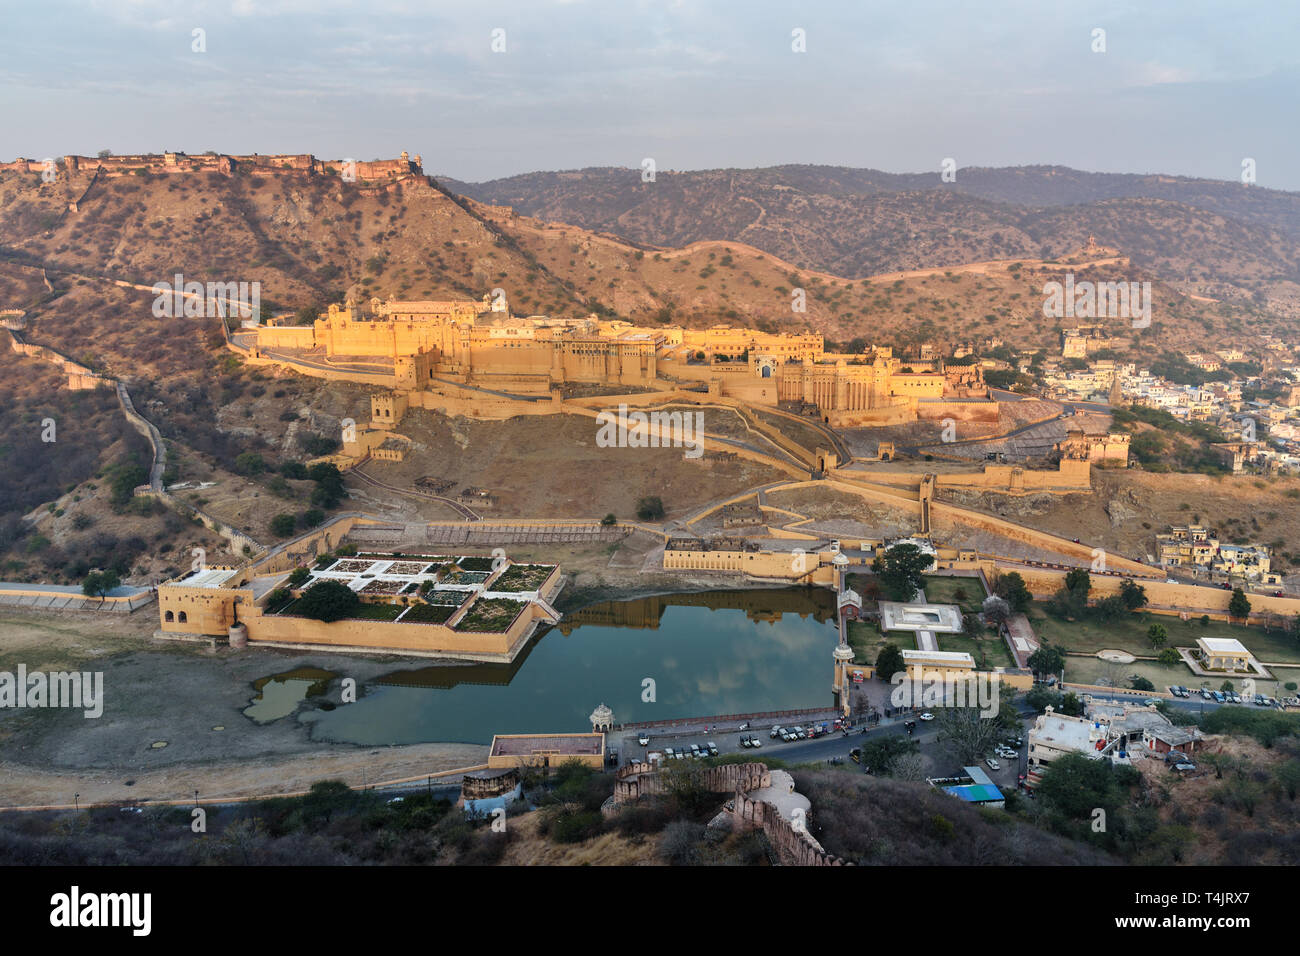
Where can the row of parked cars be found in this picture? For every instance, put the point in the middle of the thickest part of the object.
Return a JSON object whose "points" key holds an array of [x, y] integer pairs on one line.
{"points": [[697, 751], [796, 733], [1226, 696]]}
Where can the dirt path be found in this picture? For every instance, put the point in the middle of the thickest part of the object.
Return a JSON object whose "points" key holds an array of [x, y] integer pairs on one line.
{"points": [[25, 786]]}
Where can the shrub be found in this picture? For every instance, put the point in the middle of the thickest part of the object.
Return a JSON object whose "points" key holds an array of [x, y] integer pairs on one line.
{"points": [[282, 525]]}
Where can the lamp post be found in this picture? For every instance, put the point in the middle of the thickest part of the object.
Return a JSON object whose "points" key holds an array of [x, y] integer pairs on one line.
{"points": [[76, 801]]}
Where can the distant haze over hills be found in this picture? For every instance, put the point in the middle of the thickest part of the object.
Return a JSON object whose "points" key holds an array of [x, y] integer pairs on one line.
{"points": [[857, 222]]}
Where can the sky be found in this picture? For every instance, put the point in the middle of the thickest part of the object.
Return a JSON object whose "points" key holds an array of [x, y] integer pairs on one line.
{"points": [[1186, 87]]}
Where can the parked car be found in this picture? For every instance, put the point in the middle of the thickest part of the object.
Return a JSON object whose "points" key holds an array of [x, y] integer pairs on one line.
{"points": [[776, 732], [927, 716], [1218, 696], [1151, 701], [695, 749], [713, 749], [744, 726], [744, 741], [1206, 694], [755, 742], [993, 764], [643, 739], [670, 753]]}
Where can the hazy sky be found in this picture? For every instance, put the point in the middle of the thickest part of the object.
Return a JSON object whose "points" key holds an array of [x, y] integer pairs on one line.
{"points": [[1183, 87]]}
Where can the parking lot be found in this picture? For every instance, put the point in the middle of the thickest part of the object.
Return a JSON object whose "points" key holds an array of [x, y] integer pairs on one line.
{"points": [[935, 761]]}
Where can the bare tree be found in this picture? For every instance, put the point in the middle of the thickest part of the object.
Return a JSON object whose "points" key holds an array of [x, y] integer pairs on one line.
{"points": [[908, 767], [965, 734]]}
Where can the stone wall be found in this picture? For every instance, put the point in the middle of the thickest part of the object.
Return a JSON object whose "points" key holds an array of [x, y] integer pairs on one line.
{"points": [[793, 845]]}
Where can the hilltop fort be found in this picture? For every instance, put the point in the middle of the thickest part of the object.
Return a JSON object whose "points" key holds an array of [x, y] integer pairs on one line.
{"points": [[426, 349]]}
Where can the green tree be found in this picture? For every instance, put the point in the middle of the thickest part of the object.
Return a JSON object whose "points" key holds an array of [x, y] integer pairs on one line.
{"points": [[1168, 657], [1074, 785], [889, 662], [125, 478], [1134, 594], [1011, 587], [1157, 635], [250, 463], [609, 520], [328, 601], [650, 508], [901, 570], [299, 576], [1239, 606], [1046, 660], [99, 583], [282, 525], [1072, 599], [1137, 682]]}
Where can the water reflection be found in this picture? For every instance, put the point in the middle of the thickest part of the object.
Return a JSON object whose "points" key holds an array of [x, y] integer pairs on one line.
{"points": [[707, 653]]}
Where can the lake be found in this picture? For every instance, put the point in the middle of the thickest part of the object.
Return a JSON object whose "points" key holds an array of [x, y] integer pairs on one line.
{"points": [[709, 653]]}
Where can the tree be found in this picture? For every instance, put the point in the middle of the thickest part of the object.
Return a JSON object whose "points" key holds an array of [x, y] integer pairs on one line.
{"points": [[1011, 587], [328, 601], [609, 520], [650, 508], [299, 576], [329, 490], [879, 754], [1134, 594], [1040, 698], [1157, 635], [1239, 606], [1077, 580], [250, 463], [1074, 785], [966, 734], [1168, 657], [900, 570], [99, 583], [1072, 599], [282, 525], [996, 610], [1138, 682], [889, 662], [1110, 608], [311, 517], [1047, 660]]}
